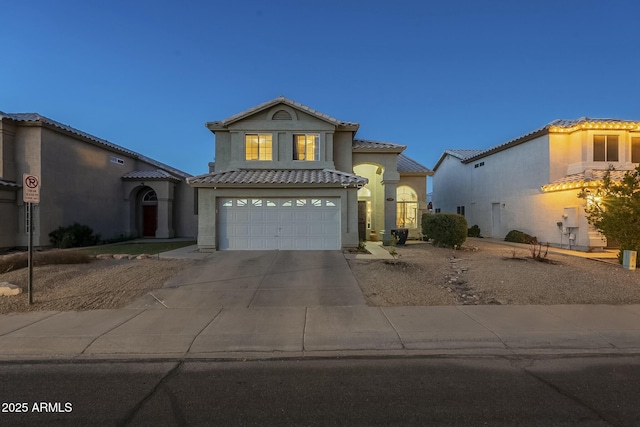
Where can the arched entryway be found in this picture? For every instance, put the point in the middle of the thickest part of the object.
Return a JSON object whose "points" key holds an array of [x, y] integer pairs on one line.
{"points": [[370, 202], [406, 207], [149, 207]]}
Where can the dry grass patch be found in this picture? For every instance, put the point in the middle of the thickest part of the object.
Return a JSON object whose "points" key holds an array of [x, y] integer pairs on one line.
{"points": [[20, 260], [101, 284]]}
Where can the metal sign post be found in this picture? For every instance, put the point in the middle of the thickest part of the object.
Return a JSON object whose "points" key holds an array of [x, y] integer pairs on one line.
{"points": [[30, 256], [30, 195]]}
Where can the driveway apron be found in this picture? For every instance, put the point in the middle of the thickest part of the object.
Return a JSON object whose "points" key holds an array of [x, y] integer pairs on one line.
{"points": [[263, 279]]}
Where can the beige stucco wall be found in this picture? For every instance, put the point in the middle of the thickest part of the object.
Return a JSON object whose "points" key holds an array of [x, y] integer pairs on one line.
{"points": [[7, 152], [9, 215], [384, 185], [419, 184], [505, 192], [231, 148], [79, 183]]}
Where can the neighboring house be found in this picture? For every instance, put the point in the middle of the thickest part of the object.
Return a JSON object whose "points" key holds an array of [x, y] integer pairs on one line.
{"points": [[531, 183], [88, 180], [289, 177]]}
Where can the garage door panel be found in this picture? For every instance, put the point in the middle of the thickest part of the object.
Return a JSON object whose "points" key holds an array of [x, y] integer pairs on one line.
{"points": [[285, 223]]}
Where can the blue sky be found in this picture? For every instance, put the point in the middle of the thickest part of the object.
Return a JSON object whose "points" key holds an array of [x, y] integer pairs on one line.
{"points": [[147, 74]]}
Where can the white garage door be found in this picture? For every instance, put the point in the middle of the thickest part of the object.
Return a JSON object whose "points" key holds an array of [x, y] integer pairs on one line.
{"points": [[279, 223]]}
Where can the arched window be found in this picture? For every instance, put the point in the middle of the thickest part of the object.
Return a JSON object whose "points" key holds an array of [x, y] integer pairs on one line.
{"points": [[406, 207], [364, 192], [150, 197]]}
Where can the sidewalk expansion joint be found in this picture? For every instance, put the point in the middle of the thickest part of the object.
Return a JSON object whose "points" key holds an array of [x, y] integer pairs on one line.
{"points": [[404, 347], [106, 332]]}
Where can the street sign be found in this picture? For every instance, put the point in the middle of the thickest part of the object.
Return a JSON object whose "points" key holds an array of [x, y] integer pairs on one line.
{"points": [[30, 188]]}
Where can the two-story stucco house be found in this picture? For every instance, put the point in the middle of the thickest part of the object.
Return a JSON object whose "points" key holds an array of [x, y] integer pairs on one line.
{"points": [[531, 183], [88, 180], [289, 177]]}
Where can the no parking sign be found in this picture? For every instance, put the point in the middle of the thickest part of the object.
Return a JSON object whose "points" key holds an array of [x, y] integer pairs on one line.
{"points": [[30, 188]]}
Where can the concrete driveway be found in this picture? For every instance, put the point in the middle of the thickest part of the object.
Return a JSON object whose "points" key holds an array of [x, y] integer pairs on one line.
{"points": [[260, 279]]}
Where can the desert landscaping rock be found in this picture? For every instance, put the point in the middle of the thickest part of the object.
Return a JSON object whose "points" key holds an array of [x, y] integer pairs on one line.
{"points": [[484, 272], [9, 289], [104, 256]]}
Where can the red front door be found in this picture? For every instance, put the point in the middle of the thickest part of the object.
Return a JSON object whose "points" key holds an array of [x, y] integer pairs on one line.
{"points": [[149, 221]]}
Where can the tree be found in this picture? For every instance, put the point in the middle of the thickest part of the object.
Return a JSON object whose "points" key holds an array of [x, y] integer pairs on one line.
{"points": [[614, 209]]}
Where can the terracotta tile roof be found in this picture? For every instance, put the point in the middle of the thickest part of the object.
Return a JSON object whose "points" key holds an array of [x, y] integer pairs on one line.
{"points": [[560, 126], [588, 178], [9, 184], [366, 145], [35, 117], [407, 165], [279, 177], [151, 175], [593, 123], [286, 101]]}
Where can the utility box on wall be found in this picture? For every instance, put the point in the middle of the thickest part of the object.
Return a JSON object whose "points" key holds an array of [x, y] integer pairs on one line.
{"points": [[570, 217], [629, 259]]}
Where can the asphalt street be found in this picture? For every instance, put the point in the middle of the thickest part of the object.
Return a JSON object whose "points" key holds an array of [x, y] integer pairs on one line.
{"points": [[355, 391]]}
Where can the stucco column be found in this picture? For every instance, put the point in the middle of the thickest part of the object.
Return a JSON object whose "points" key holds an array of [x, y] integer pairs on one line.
{"points": [[390, 182], [165, 219]]}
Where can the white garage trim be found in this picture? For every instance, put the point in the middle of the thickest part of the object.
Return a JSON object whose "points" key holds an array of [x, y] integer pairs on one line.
{"points": [[292, 223]]}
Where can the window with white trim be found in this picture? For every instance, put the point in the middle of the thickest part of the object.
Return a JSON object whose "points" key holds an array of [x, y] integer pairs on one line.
{"points": [[258, 146], [406, 207], [605, 148], [305, 146], [635, 150]]}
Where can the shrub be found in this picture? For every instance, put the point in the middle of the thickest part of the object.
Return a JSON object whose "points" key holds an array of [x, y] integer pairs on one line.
{"points": [[73, 236], [427, 218], [474, 231], [449, 230], [520, 237]]}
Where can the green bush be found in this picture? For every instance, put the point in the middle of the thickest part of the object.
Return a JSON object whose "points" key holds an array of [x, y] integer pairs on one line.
{"points": [[520, 237], [474, 231], [427, 218], [449, 230], [73, 236]]}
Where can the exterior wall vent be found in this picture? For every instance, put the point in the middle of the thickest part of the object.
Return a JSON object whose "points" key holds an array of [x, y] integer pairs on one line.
{"points": [[117, 160], [282, 115]]}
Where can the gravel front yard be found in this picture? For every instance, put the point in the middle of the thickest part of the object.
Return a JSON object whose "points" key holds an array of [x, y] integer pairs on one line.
{"points": [[486, 272], [101, 284]]}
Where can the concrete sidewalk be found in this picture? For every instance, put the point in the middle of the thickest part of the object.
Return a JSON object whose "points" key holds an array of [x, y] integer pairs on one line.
{"points": [[279, 308], [321, 331]]}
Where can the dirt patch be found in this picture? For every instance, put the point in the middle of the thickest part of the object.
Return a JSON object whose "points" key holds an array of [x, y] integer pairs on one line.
{"points": [[488, 273], [98, 285]]}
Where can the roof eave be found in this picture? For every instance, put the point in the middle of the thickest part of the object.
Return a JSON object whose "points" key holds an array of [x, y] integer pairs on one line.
{"points": [[521, 140], [416, 173]]}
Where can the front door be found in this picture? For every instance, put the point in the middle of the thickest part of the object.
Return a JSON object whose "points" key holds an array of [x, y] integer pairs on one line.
{"points": [[362, 220], [149, 221]]}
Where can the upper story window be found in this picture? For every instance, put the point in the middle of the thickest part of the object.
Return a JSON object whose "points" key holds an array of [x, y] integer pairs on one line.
{"points": [[258, 146], [605, 148], [305, 146], [635, 150]]}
